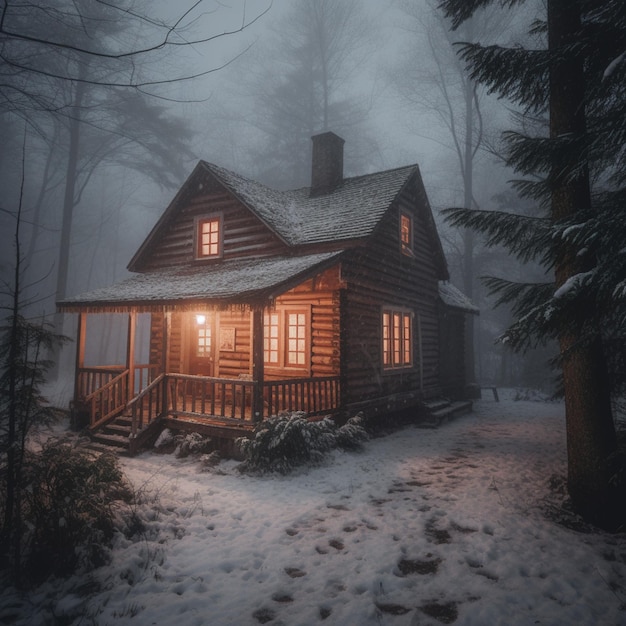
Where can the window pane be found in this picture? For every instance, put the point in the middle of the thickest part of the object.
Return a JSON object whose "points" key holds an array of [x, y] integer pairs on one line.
{"points": [[270, 338], [407, 339], [209, 237], [203, 341], [386, 337]]}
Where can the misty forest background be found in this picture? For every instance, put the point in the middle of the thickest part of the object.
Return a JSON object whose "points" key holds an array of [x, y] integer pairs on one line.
{"points": [[94, 146]]}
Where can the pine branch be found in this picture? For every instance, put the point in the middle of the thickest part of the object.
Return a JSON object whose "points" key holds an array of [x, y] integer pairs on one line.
{"points": [[526, 237]]}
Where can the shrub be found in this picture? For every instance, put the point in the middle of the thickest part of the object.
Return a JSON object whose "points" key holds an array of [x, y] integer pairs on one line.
{"points": [[282, 443], [69, 507]]}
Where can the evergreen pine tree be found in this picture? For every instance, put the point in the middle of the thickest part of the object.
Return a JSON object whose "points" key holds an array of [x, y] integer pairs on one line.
{"points": [[576, 171]]}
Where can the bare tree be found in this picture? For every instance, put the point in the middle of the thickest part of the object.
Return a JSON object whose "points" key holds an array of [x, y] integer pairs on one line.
{"points": [[301, 82], [439, 86], [39, 36]]}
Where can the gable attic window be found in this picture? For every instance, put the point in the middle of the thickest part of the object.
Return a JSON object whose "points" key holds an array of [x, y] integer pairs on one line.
{"points": [[397, 331], [406, 233], [209, 237]]}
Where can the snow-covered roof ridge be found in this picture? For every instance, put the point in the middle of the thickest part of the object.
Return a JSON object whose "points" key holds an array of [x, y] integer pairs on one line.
{"points": [[351, 210]]}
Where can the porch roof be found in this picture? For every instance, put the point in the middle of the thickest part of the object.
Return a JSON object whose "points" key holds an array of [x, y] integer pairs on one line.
{"points": [[455, 298], [244, 281]]}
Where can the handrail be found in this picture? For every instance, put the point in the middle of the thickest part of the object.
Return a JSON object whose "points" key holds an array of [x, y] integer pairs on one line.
{"points": [[156, 405], [107, 401]]}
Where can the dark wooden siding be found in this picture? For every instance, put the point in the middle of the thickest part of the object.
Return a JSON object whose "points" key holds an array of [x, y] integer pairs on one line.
{"points": [[244, 234], [452, 352], [380, 275]]}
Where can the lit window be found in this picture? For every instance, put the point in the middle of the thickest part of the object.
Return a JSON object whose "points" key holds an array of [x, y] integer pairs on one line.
{"points": [[209, 237], [286, 338], [203, 342], [270, 339], [406, 233], [397, 335], [296, 339]]}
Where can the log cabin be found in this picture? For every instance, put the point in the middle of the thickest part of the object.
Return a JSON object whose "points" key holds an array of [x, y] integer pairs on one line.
{"points": [[331, 299]]}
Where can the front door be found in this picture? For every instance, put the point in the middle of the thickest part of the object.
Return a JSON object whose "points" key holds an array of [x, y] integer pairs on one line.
{"points": [[202, 348]]}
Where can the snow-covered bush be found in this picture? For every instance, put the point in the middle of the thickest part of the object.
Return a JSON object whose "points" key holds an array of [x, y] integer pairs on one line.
{"points": [[352, 434], [182, 444], [191, 443], [281, 443], [70, 503]]}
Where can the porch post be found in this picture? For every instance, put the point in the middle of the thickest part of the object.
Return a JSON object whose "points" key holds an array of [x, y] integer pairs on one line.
{"points": [[257, 364], [80, 352], [165, 357], [130, 353]]}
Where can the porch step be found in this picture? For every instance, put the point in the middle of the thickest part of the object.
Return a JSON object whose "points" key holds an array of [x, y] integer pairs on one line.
{"points": [[117, 428], [114, 441], [441, 411]]}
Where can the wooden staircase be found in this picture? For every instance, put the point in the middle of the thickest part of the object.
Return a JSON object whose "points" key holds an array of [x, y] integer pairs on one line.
{"points": [[438, 411], [113, 437]]}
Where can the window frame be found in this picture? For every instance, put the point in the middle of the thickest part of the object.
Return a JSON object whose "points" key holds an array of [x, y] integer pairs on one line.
{"points": [[199, 221], [406, 247], [394, 340], [282, 347]]}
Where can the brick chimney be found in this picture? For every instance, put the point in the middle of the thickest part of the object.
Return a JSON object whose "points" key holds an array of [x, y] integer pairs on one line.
{"points": [[327, 163]]}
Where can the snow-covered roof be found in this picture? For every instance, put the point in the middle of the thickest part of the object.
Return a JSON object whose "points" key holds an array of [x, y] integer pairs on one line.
{"points": [[454, 298], [351, 210], [242, 281]]}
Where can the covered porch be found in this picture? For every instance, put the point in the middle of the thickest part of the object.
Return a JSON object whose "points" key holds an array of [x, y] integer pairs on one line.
{"points": [[224, 363]]}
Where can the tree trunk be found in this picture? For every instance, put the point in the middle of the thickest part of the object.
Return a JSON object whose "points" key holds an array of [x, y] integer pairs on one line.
{"points": [[590, 431], [468, 236], [69, 200]]}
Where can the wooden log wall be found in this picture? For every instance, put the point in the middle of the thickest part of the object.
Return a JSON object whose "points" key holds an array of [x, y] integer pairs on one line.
{"points": [[453, 353], [244, 235], [231, 364], [383, 275], [322, 295]]}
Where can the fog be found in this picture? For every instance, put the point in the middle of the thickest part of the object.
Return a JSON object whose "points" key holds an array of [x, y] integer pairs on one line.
{"points": [[243, 85]]}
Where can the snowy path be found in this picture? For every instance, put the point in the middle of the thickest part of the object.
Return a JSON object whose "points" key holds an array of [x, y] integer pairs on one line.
{"points": [[423, 527]]}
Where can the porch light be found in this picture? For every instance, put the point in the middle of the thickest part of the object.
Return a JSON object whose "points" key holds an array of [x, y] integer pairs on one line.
{"points": [[200, 319]]}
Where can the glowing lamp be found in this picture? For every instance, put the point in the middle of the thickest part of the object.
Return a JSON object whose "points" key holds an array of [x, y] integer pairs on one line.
{"points": [[200, 319]]}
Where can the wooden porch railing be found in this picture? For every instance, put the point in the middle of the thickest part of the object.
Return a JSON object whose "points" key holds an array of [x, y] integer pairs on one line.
{"points": [[201, 396], [311, 395], [149, 404], [108, 401], [91, 379], [219, 397]]}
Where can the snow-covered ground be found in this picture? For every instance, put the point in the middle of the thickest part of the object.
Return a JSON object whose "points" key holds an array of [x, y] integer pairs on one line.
{"points": [[455, 525]]}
